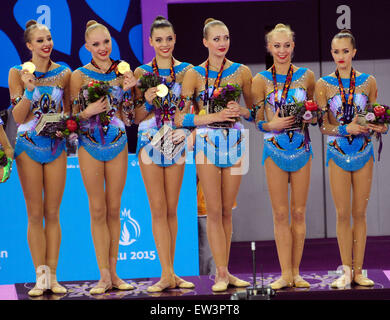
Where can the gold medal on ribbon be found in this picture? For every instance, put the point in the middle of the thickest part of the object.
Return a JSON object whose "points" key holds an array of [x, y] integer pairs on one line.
{"points": [[162, 90], [123, 67], [29, 66]]}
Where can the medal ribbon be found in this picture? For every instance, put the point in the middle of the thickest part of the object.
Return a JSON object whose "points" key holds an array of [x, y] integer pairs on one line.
{"points": [[348, 109], [286, 86], [164, 114], [96, 121], [171, 69], [217, 81], [113, 66], [44, 73]]}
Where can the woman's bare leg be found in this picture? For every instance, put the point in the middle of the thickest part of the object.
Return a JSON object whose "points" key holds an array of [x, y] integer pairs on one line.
{"points": [[361, 186], [277, 180], [173, 178], [31, 179], [153, 177], [115, 173], [210, 178], [92, 172], [54, 185], [230, 187], [299, 183], [340, 184]]}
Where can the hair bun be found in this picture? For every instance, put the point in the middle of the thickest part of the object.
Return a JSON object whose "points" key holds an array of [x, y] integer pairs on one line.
{"points": [[159, 18], [208, 20], [280, 26], [346, 31], [30, 23], [90, 23]]}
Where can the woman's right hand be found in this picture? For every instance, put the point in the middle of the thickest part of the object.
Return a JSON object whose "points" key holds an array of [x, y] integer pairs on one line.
{"points": [[280, 123], [355, 129], [151, 94], [28, 80], [97, 107]]}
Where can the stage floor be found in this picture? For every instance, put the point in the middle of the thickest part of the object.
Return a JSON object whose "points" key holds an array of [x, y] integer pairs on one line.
{"points": [[320, 289]]}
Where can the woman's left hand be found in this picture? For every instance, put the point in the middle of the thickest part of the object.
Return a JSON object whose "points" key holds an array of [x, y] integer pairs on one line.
{"points": [[129, 80], [380, 128], [178, 135], [235, 107]]}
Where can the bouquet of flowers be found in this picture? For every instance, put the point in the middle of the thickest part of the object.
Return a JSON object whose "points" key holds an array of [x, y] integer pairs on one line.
{"points": [[151, 80], [306, 110], [375, 114], [92, 92], [3, 158], [67, 128], [219, 100], [95, 90]]}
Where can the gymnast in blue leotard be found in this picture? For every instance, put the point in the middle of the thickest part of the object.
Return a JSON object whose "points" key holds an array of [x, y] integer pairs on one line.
{"points": [[349, 155], [286, 155], [162, 173], [219, 151], [41, 160], [103, 149]]}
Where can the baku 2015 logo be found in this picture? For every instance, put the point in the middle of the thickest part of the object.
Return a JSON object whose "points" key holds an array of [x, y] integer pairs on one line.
{"points": [[130, 229]]}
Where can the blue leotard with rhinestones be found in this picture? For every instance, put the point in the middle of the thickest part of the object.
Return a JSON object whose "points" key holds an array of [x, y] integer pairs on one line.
{"points": [[286, 148], [222, 147], [349, 153], [46, 99], [149, 127], [104, 144]]}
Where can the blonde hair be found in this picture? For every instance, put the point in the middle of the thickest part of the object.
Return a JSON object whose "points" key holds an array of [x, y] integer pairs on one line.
{"points": [[31, 25], [92, 25], [210, 22], [280, 27]]}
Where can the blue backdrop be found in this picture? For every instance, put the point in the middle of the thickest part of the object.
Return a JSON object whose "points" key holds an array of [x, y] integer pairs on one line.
{"points": [[66, 21], [137, 252]]}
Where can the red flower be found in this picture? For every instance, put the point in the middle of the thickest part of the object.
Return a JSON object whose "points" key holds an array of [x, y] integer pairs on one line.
{"points": [[311, 106], [92, 83], [379, 111], [71, 125]]}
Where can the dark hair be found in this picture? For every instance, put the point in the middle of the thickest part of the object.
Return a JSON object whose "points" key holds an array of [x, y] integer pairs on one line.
{"points": [[30, 26], [210, 22], [345, 33], [160, 22]]}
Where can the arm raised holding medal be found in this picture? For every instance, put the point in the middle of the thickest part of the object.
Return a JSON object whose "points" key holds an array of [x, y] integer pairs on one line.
{"points": [[38, 90]]}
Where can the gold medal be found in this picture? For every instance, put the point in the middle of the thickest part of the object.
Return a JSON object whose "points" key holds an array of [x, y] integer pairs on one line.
{"points": [[123, 67], [29, 66], [162, 90], [202, 112]]}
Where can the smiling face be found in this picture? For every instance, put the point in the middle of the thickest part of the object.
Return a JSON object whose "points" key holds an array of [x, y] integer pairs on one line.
{"points": [[343, 53], [217, 41], [281, 47], [98, 42], [40, 43], [163, 41]]}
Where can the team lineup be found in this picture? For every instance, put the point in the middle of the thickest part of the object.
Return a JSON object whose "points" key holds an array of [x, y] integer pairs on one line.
{"points": [[180, 107]]}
